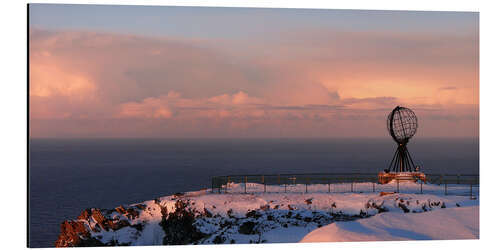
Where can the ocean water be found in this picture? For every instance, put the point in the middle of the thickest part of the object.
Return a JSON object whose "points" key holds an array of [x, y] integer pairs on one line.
{"points": [[69, 175]]}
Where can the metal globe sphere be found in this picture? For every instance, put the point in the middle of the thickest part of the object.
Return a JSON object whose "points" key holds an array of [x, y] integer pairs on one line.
{"points": [[402, 124]]}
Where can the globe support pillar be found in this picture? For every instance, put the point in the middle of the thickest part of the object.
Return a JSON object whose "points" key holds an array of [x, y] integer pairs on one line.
{"points": [[402, 161]]}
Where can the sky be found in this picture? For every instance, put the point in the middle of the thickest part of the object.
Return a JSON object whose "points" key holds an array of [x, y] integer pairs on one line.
{"points": [[142, 71]]}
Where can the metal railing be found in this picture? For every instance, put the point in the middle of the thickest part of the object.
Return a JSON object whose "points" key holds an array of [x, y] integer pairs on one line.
{"points": [[448, 184]]}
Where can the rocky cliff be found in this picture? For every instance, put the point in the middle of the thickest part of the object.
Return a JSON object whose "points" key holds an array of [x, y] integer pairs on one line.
{"points": [[204, 218]]}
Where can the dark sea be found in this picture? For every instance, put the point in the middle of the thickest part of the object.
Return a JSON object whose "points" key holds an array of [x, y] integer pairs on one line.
{"points": [[69, 175]]}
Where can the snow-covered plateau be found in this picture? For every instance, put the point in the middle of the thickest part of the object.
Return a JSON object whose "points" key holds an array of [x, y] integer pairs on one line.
{"points": [[204, 217]]}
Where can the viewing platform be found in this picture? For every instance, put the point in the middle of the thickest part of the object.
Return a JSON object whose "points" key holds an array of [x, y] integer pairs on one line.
{"points": [[404, 182], [386, 177]]}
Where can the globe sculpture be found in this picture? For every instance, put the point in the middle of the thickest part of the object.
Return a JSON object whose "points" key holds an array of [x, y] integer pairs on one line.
{"points": [[402, 125]]}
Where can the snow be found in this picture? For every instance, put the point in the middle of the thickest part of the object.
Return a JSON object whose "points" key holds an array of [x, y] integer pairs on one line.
{"points": [[446, 224], [317, 215]]}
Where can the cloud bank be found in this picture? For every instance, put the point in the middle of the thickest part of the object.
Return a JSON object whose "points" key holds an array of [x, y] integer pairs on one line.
{"points": [[304, 84]]}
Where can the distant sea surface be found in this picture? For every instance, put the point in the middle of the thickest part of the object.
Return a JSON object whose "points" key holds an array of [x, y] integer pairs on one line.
{"points": [[69, 175]]}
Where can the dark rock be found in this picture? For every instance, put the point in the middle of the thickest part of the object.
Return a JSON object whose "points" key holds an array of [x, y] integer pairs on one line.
{"points": [[138, 227], [140, 206], [219, 239], [309, 201], [230, 213], [132, 213], [118, 225], [178, 226], [403, 207], [178, 195], [380, 208], [121, 210], [253, 214], [207, 213], [362, 213], [247, 227]]}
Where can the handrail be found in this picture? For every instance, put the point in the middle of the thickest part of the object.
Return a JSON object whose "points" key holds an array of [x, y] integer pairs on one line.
{"points": [[222, 183]]}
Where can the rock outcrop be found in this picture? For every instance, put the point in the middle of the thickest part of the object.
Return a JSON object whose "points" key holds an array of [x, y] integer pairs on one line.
{"points": [[80, 232], [211, 219]]}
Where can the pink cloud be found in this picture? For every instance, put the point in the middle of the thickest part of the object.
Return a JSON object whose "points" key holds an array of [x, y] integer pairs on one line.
{"points": [[148, 108], [83, 82], [239, 98]]}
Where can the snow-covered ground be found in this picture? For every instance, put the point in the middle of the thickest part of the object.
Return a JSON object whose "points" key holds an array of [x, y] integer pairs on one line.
{"points": [[294, 216], [445, 224]]}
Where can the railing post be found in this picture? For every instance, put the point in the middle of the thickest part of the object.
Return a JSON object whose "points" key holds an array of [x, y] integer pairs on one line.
{"points": [[397, 181], [307, 183], [285, 186], [246, 180], [373, 187], [440, 179], [212, 190], [264, 180], [352, 184], [471, 190], [227, 183], [328, 185], [421, 187], [445, 188]]}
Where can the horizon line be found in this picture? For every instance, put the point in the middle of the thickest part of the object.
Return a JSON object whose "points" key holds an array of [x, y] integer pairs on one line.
{"points": [[220, 137]]}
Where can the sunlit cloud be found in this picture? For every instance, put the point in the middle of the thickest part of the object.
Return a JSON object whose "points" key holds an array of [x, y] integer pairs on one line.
{"points": [[314, 84]]}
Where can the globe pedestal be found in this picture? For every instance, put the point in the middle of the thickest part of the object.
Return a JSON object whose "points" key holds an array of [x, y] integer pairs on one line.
{"points": [[384, 178]]}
